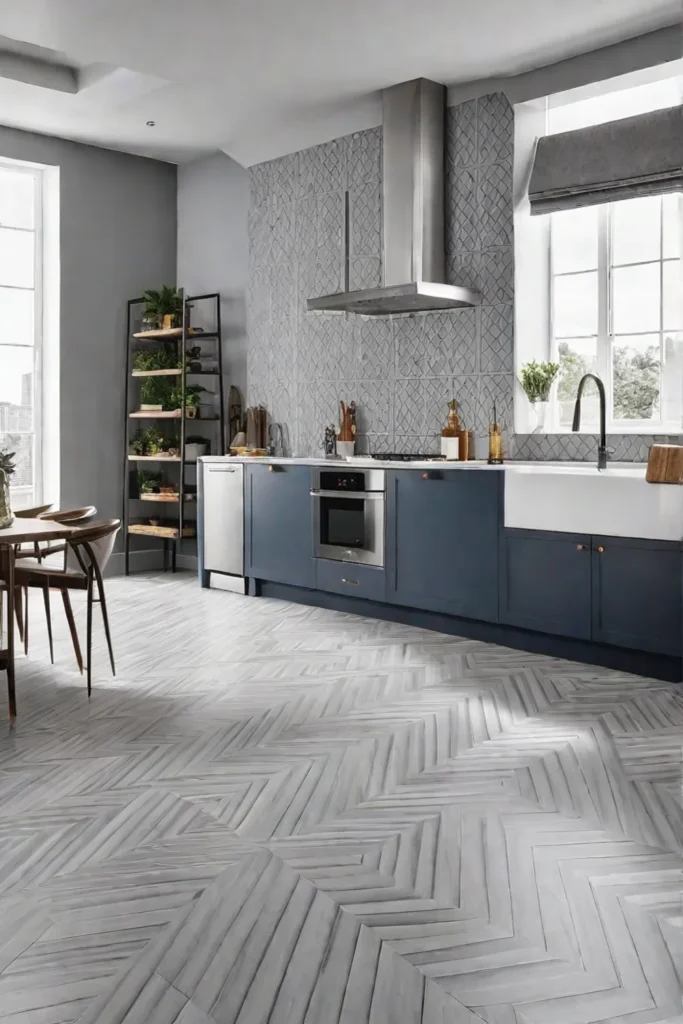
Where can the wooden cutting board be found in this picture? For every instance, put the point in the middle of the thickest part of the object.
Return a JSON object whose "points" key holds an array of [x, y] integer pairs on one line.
{"points": [[665, 464]]}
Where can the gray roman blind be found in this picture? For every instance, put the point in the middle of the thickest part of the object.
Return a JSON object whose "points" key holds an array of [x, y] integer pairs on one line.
{"points": [[638, 156]]}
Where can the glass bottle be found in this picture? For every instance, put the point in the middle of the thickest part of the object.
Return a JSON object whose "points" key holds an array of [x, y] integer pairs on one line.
{"points": [[450, 433]]}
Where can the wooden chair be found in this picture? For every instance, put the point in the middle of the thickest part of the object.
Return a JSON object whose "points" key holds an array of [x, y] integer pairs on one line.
{"points": [[70, 516], [88, 551]]}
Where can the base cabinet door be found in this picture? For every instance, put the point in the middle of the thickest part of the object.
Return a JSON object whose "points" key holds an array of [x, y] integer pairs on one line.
{"points": [[279, 525], [546, 582], [637, 594], [442, 541]]}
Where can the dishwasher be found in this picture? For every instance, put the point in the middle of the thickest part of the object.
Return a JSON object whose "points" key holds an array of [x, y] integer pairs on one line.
{"points": [[223, 524]]}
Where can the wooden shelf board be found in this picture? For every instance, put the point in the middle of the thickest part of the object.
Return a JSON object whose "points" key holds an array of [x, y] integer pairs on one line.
{"points": [[171, 333], [156, 373], [172, 414], [152, 496], [160, 531], [163, 414], [154, 458]]}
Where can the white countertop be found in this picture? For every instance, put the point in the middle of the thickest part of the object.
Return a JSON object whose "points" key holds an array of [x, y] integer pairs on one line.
{"points": [[358, 462]]}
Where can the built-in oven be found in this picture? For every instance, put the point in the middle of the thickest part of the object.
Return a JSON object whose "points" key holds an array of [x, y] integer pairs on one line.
{"points": [[348, 514]]}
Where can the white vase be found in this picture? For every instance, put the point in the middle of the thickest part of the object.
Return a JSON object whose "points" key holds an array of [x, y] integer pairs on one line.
{"points": [[539, 417], [345, 449]]}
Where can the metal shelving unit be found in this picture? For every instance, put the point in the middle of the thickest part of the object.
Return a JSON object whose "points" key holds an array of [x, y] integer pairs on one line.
{"points": [[172, 535]]}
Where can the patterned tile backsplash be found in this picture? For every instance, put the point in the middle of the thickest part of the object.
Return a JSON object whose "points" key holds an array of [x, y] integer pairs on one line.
{"points": [[400, 370]]}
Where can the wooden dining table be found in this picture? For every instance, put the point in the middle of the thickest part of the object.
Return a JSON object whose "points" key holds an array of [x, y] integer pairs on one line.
{"points": [[22, 531]]}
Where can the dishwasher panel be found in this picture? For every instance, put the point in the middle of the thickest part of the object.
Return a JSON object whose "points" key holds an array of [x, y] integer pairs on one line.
{"points": [[223, 518]]}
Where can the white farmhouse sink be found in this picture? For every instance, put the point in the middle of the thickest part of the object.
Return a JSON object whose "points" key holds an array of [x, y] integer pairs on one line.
{"points": [[575, 497]]}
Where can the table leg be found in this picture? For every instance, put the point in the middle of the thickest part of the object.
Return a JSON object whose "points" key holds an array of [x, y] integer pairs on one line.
{"points": [[9, 580]]}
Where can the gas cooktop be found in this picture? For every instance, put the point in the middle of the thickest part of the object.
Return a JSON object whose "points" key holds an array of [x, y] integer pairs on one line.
{"points": [[402, 457]]}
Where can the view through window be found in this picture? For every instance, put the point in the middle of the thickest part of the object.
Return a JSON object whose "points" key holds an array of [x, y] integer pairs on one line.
{"points": [[616, 277], [20, 337]]}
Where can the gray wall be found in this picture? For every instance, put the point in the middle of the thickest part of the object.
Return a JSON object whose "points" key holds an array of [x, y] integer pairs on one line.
{"points": [[118, 237], [213, 200], [400, 370]]}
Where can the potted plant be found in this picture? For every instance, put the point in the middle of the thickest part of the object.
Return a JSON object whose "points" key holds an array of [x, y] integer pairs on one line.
{"points": [[148, 483], [153, 441], [7, 468], [195, 447], [137, 446], [192, 393], [151, 395], [537, 380], [163, 308]]}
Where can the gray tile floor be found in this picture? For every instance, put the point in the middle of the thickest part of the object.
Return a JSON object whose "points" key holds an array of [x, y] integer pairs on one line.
{"points": [[288, 815]]}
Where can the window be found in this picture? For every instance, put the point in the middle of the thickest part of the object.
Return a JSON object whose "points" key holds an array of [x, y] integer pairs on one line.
{"points": [[616, 309], [21, 321]]}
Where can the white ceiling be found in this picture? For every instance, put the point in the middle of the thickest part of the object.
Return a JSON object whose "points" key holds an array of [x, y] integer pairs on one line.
{"points": [[259, 78]]}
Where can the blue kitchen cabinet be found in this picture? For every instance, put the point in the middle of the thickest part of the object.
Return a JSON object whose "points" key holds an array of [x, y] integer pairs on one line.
{"points": [[442, 540], [545, 582], [638, 594], [279, 524]]}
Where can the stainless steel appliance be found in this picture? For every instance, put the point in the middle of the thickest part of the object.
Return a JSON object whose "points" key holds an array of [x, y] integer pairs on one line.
{"points": [[222, 495], [348, 514], [413, 212]]}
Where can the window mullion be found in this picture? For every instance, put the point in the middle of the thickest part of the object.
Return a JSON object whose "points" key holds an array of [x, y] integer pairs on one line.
{"points": [[604, 350]]}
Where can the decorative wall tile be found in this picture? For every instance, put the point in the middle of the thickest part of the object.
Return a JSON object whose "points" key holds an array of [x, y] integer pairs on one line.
{"points": [[258, 298], [495, 205], [364, 215], [375, 400], [463, 218], [411, 346], [375, 348], [326, 349], [283, 178], [283, 291], [450, 341], [465, 270], [372, 444], [316, 279], [409, 406], [259, 237], [306, 230], [495, 120], [282, 353], [281, 221], [322, 168], [497, 275], [497, 353], [438, 392], [365, 272], [461, 134], [364, 156], [330, 221], [259, 185], [417, 444]]}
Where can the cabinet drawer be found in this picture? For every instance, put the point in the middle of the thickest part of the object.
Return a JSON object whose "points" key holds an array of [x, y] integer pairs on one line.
{"points": [[351, 579]]}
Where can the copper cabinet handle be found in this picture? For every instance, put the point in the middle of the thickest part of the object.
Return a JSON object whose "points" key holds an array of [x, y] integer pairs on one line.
{"points": [[271, 469], [600, 549], [350, 583], [580, 547], [425, 476]]}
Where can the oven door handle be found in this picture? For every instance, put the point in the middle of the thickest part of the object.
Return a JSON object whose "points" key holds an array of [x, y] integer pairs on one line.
{"points": [[356, 495]]}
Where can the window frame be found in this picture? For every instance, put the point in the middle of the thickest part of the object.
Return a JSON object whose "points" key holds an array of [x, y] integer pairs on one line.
{"points": [[37, 230], [605, 336]]}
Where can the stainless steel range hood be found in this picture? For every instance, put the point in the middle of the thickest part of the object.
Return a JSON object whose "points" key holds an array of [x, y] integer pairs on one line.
{"points": [[413, 244]]}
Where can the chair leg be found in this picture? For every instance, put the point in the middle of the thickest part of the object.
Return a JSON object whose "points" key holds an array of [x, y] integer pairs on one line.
{"points": [[26, 620], [89, 632], [68, 611], [48, 619], [105, 619], [19, 611]]}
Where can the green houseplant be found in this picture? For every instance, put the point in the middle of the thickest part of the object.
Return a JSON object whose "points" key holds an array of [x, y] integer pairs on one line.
{"points": [[537, 380], [148, 482], [7, 467], [163, 308]]}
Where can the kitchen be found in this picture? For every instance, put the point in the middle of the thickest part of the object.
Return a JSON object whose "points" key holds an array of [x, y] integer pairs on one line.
{"points": [[366, 333]]}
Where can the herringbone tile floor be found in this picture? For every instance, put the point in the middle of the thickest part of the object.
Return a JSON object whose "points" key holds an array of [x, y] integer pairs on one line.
{"points": [[288, 815]]}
